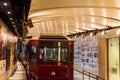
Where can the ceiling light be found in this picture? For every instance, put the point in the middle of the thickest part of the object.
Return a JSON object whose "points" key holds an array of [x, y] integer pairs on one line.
{"points": [[5, 4], [9, 12], [82, 35], [13, 25], [91, 34], [93, 25], [118, 31], [11, 18], [75, 36], [13, 22], [92, 19], [103, 32]]}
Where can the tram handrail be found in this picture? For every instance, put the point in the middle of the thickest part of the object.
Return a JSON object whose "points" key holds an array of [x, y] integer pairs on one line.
{"points": [[90, 75]]}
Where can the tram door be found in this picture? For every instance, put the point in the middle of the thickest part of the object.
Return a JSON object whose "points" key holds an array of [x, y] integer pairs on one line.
{"points": [[114, 58]]}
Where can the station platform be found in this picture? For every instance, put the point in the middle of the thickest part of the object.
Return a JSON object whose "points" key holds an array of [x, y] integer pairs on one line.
{"points": [[21, 75]]}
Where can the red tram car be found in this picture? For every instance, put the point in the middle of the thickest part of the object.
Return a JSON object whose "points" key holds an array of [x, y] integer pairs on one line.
{"points": [[51, 58]]}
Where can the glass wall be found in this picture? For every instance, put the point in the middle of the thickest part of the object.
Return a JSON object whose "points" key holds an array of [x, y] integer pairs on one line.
{"points": [[113, 53]]}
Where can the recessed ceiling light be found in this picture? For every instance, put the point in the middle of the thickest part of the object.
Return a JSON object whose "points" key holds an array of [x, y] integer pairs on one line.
{"points": [[13, 22], [11, 18], [9, 12], [5, 4], [13, 25], [118, 31]]}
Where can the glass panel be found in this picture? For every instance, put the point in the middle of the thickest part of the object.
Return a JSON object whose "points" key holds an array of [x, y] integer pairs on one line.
{"points": [[114, 59], [64, 50], [51, 54], [41, 53], [33, 53], [24, 48], [53, 51], [64, 54]]}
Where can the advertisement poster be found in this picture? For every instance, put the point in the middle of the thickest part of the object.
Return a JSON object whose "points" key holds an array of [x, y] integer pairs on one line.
{"points": [[7, 57], [3, 41], [0, 43], [86, 52]]}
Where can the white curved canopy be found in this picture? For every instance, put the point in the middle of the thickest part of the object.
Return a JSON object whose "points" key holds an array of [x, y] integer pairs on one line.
{"points": [[66, 17]]}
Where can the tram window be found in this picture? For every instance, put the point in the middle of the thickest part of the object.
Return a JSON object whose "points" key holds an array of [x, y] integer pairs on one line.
{"points": [[33, 53], [64, 54], [49, 52], [24, 48], [41, 53], [64, 46]]}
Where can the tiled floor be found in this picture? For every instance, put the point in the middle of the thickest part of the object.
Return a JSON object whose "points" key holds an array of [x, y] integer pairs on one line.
{"points": [[19, 74]]}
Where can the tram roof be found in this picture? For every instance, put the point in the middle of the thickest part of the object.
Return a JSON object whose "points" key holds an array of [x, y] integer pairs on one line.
{"points": [[54, 37]]}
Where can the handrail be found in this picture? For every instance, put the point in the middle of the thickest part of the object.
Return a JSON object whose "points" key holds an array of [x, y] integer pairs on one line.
{"points": [[29, 76], [24, 65], [90, 75]]}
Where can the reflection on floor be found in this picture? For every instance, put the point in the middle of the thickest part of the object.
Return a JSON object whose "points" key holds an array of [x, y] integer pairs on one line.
{"points": [[19, 74]]}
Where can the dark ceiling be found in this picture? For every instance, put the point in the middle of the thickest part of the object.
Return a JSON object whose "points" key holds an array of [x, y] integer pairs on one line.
{"points": [[19, 10]]}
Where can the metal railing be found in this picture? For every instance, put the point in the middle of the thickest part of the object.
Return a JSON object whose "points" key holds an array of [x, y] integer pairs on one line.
{"points": [[90, 76], [23, 59]]}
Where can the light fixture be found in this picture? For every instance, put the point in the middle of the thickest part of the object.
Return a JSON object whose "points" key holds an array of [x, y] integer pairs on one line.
{"points": [[13, 22], [13, 25], [9, 12], [75, 36], [91, 34], [118, 31], [94, 32], [103, 32], [29, 23], [5, 4], [82, 35], [11, 18]]}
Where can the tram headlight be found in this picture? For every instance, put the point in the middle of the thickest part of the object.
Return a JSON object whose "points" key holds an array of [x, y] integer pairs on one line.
{"points": [[53, 73]]}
